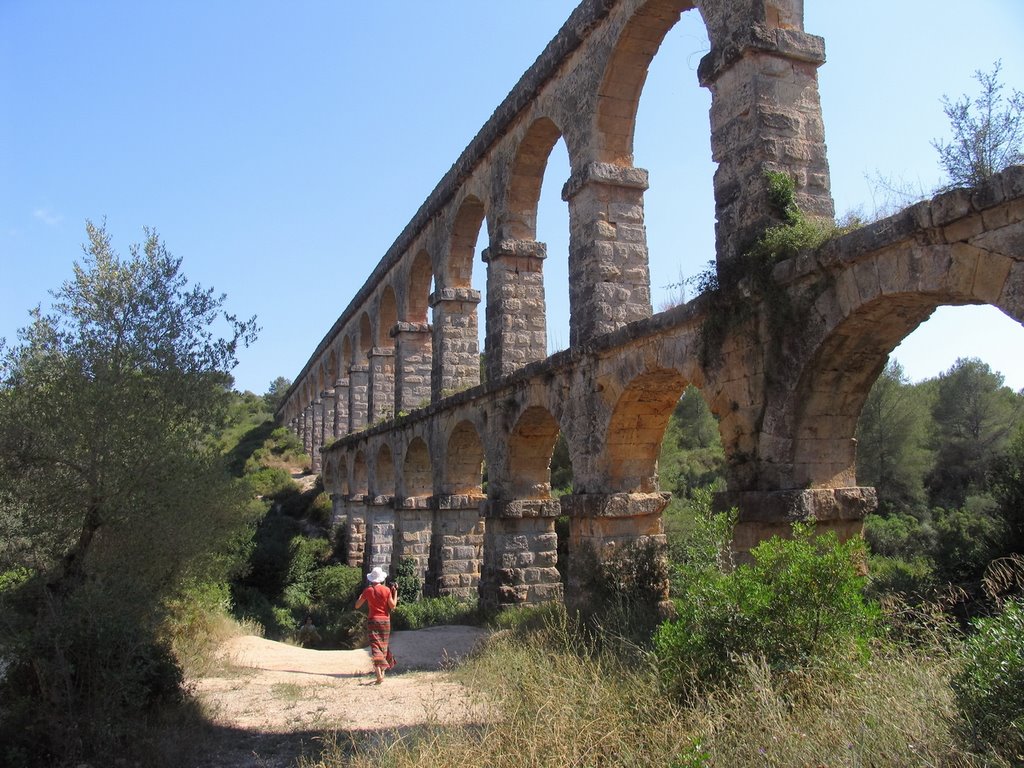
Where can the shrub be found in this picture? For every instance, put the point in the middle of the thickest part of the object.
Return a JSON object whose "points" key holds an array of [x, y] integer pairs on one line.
{"points": [[250, 604], [910, 579], [799, 600], [410, 587], [337, 586], [989, 688], [898, 535], [967, 542], [87, 645], [271, 482], [434, 611], [321, 510]]}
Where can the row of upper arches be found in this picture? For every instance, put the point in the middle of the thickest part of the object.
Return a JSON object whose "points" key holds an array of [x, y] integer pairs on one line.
{"points": [[588, 99]]}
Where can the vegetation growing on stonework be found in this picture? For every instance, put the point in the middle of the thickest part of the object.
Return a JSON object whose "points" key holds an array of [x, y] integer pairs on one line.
{"points": [[987, 132], [730, 284]]}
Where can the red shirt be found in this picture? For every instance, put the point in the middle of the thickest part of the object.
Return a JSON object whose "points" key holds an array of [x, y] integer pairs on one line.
{"points": [[377, 597]]}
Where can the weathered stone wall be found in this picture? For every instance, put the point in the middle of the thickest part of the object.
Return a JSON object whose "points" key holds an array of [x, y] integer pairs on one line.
{"points": [[787, 399]]}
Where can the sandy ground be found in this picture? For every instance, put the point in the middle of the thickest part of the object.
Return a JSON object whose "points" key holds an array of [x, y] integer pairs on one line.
{"points": [[269, 696]]}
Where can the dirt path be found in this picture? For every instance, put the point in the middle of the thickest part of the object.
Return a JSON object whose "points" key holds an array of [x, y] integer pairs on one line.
{"points": [[273, 700]]}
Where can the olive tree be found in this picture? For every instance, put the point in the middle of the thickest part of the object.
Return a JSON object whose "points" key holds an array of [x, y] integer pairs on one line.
{"points": [[112, 493]]}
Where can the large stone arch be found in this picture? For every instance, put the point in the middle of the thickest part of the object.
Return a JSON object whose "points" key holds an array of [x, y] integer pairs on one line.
{"points": [[333, 372], [530, 446], [421, 276], [417, 471], [360, 475], [365, 336], [808, 439], [387, 316], [463, 461], [342, 484], [519, 218], [384, 472], [620, 89], [636, 428], [458, 271], [346, 353]]}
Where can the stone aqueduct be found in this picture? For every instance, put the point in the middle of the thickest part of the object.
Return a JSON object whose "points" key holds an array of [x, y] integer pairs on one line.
{"points": [[392, 407]]}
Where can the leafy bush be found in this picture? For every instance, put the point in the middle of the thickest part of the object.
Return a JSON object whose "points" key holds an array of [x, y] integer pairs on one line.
{"points": [[989, 689], [14, 578], [799, 600], [250, 604], [434, 611], [910, 579], [271, 482], [118, 670], [306, 555], [967, 540], [321, 510], [410, 587], [899, 535], [337, 586]]}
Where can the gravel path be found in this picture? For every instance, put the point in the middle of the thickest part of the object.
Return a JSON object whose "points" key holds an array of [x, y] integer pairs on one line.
{"points": [[270, 701]]}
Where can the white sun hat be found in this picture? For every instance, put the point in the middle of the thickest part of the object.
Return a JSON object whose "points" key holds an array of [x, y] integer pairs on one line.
{"points": [[377, 575]]}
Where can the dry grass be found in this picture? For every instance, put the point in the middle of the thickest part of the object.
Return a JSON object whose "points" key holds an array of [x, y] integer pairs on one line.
{"points": [[895, 710], [553, 703]]}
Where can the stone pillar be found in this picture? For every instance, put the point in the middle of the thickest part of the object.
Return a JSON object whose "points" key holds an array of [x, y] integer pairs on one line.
{"points": [[380, 532], [412, 366], [358, 378], [381, 387], [763, 514], [307, 430], [355, 530], [339, 518], [609, 276], [414, 520], [600, 524], [765, 115], [327, 398], [516, 312], [456, 546], [456, 358], [317, 440], [341, 408], [520, 553]]}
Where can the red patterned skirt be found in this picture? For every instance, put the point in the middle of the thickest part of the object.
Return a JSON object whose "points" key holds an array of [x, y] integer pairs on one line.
{"points": [[380, 639]]}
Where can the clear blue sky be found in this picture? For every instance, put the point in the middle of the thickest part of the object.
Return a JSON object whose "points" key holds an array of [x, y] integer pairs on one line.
{"points": [[280, 148]]}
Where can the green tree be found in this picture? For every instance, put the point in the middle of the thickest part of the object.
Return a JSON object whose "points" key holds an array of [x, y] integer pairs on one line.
{"points": [[276, 392], [974, 416], [1006, 480], [988, 132], [691, 450], [112, 490], [891, 441]]}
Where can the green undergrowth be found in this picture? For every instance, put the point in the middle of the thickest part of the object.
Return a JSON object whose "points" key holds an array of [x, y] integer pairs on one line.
{"points": [[550, 696]]}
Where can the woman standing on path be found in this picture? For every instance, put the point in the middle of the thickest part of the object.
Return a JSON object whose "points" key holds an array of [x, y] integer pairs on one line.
{"points": [[381, 601]]}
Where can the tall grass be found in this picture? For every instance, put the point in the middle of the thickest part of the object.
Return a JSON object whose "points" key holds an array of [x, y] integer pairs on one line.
{"points": [[553, 700]]}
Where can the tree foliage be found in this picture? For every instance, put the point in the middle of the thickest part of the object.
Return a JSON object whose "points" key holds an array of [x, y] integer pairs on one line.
{"points": [[988, 132], [691, 456], [891, 441], [276, 392], [112, 492], [974, 416]]}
